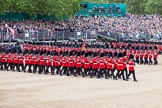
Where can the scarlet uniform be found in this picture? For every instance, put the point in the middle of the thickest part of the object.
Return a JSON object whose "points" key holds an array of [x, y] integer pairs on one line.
{"points": [[64, 67], [31, 62], [26, 59], [146, 58], [9, 61], [87, 66], [79, 63], [150, 59], [78, 66], [102, 67], [15, 62], [125, 65], [56, 64], [131, 70], [120, 65], [109, 67], [94, 68], [42, 64], [3, 61], [141, 58], [71, 65], [36, 63], [155, 55], [120, 68], [137, 57], [49, 64], [20, 62], [3, 58]]}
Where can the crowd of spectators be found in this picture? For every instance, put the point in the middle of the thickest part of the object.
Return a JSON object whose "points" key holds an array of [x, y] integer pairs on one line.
{"points": [[145, 26]]}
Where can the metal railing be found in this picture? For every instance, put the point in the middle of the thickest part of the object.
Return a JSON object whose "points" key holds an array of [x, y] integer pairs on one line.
{"points": [[65, 35]]}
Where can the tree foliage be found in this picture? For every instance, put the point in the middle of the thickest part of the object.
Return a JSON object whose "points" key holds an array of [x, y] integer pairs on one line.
{"points": [[68, 8]]}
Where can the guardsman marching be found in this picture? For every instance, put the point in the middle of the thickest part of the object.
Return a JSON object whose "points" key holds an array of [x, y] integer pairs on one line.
{"points": [[64, 66], [131, 69], [120, 68], [49, 64], [42, 65], [78, 66], [15, 62], [137, 57], [26, 59], [141, 57], [36, 63], [102, 68], [20, 63], [71, 66], [9, 61], [150, 58], [145, 57], [94, 68], [125, 65], [3, 61], [155, 55], [30, 63], [87, 66], [56, 65]]}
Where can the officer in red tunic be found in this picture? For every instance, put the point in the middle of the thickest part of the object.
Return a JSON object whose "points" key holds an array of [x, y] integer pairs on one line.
{"points": [[36, 63], [131, 69], [87, 67], [155, 55], [64, 66], [146, 58], [42, 65], [31, 62], [150, 59], [115, 63], [102, 68], [120, 69], [49, 64], [3, 61], [125, 65], [141, 57], [26, 59], [15, 62], [70, 66], [137, 57], [20, 63], [110, 68], [95, 65], [9, 61], [78, 66], [56, 65]]}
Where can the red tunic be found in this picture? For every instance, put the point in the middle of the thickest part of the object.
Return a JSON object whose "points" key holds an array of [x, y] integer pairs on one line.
{"points": [[87, 64], [79, 63], [131, 65], [31, 59], [9, 58], [95, 65], [102, 65], [120, 65], [20, 57], [49, 61], [26, 57]]}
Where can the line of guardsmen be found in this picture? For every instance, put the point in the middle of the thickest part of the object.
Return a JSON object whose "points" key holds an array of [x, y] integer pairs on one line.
{"points": [[37, 60], [70, 65], [141, 56]]}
